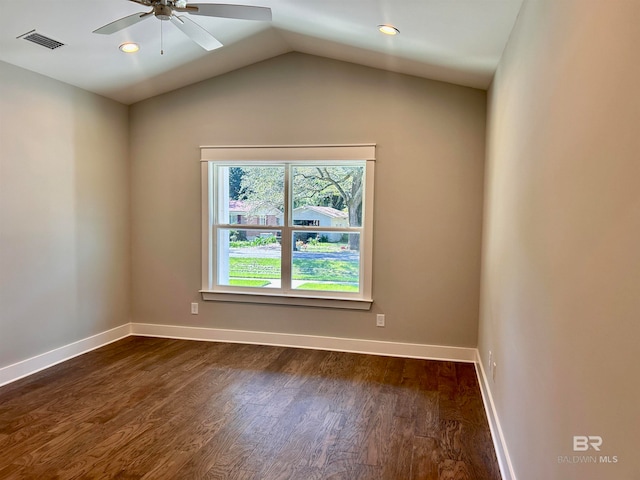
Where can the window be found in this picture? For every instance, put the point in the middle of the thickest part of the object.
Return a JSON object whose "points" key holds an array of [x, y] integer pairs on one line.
{"points": [[288, 225]]}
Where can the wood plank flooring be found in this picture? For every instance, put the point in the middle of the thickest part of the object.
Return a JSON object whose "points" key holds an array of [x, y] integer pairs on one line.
{"points": [[150, 408]]}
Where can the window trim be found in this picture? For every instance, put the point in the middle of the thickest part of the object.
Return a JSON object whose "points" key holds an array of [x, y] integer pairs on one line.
{"points": [[278, 154]]}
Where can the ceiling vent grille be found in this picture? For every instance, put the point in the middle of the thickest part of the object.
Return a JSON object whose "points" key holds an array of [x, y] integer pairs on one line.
{"points": [[40, 39]]}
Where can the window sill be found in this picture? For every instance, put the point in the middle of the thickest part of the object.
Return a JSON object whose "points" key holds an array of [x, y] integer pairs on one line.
{"points": [[283, 299]]}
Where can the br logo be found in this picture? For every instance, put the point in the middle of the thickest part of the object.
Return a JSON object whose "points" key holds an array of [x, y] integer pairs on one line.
{"points": [[583, 443]]}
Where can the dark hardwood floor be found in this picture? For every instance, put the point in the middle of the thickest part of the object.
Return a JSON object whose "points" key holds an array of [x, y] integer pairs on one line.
{"points": [[150, 408]]}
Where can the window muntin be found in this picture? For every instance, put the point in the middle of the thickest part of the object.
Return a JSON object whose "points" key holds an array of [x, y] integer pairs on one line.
{"points": [[306, 225]]}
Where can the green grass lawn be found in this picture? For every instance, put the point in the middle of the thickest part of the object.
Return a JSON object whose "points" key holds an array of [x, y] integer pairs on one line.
{"points": [[333, 287], [326, 270], [243, 282], [244, 267], [308, 269], [325, 247]]}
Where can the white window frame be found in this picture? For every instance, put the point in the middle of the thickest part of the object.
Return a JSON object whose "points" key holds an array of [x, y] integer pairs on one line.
{"points": [[279, 155]]}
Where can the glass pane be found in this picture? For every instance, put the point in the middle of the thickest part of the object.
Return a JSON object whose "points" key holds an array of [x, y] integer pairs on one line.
{"points": [[327, 261], [327, 196], [249, 258], [251, 195]]}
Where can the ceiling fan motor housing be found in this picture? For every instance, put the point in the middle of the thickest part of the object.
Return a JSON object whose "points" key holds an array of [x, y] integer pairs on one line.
{"points": [[162, 12]]}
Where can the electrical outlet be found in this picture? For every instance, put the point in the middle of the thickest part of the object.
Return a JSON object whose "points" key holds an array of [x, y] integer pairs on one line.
{"points": [[194, 309], [380, 320]]}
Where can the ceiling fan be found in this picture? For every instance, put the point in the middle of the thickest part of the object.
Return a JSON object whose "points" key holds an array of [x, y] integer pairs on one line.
{"points": [[167, 10]]}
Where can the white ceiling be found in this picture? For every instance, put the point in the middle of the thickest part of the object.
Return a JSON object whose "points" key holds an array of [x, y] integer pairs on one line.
{"points": [[457, 41]]}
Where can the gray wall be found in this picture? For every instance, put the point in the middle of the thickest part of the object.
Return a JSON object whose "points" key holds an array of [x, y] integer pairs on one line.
{"points": [[431, 142], [64, 214], [560, 303]]}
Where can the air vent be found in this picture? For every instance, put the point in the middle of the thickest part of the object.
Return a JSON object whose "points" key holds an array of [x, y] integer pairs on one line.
{"points": [[40, 39]]}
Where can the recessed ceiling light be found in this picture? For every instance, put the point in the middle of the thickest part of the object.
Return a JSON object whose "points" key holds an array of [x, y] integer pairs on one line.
{"points": [[388, 29], [129, 47]]}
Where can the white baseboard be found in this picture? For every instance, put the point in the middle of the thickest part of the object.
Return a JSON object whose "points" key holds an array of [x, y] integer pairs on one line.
{"points": [[373, 347], [27, 367], [32, 365], [504, 461]]}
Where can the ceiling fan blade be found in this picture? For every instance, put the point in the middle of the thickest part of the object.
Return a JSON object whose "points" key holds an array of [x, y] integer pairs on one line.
{"points": [[243, 12], [122, 23], [196, 33]]}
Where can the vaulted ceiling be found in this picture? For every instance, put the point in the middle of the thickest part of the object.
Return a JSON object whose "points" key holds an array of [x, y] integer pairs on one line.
{"points": [[456, 41]]}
